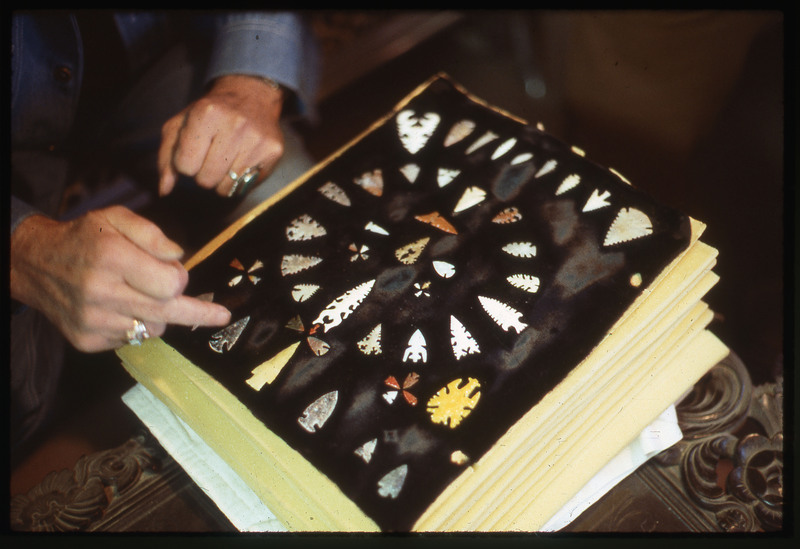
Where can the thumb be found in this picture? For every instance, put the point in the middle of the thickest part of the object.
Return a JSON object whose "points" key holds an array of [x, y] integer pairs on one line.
{"points": [[144, 233]]}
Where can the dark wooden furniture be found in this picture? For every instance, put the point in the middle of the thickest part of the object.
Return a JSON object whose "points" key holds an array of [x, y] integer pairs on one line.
{"points": [[726, 475]]}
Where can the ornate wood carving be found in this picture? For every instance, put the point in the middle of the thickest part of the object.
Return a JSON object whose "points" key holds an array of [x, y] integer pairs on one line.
{"points": [[134, 487], [732, 452], [67, 501], [726, 475]]}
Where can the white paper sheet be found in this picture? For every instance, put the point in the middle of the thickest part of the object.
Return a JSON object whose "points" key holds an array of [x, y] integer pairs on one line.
{"points": [[225, 488]]}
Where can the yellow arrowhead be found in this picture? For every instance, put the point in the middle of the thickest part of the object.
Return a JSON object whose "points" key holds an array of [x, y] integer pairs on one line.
{"points": [[267, 371]]}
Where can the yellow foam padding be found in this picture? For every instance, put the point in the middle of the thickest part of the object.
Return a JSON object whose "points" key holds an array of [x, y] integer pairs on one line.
{"points": [[699, 353]]}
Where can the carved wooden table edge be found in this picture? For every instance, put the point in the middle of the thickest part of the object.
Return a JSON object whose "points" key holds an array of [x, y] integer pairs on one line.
{"points": [[135, 487], [725, 475]]}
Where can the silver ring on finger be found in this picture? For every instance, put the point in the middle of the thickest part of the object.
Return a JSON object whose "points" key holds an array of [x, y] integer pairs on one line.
{"points": [[138, 333], [243, 182]]}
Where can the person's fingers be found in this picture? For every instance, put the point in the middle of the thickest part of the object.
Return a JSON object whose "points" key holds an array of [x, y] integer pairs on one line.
{"points": [[143, 257], [241, 167], [158, 278], [103, 329], [233, 128], [169, 138], [115, 308], [155, 279], [189, 311], [194, 140], [221, 163], [144, 233], [235, 149], [257, 157], [107, 324]]}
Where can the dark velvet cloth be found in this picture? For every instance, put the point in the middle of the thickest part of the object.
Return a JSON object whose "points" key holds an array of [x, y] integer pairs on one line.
{"points": [[584, 287]]}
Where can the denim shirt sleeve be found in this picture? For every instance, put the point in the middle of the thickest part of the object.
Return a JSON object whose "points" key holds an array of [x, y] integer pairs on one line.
{"points": [[20, 211], [276, 45]]}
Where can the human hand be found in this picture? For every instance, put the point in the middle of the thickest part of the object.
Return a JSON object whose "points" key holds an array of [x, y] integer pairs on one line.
{"points": [[92, 276], [233, 128]]}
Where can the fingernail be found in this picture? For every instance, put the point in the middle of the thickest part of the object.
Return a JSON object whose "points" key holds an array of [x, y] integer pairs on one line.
{"points": [[164, 185], [223, 315], [178, 250]]}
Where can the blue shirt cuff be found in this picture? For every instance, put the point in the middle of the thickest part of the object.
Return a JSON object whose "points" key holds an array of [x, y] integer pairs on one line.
{"points": [[278, 46], [20, 211]]}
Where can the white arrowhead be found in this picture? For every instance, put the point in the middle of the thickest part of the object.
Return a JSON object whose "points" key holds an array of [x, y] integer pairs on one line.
{"points": [[410, 171], [548, 167], [461, 340], [344, 305], [504, 147], [372, 227], [526, 282], [372, 182], [444, 269], [334, 192], [629, 224], [520, 158], [520, 249], [294, 263], [569, 182], [390, 485], [371, 344], [228, 336], [459, 131], [503, 315], [415, 130], [416, 348], [471, 197], [304, 228], [366, 450], [302, 292], [482, 140], [445, 176], [597, 201], [318, 412]]}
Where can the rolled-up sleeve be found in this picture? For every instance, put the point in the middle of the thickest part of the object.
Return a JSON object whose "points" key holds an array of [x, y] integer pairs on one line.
{"points": [[278, 45]]}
